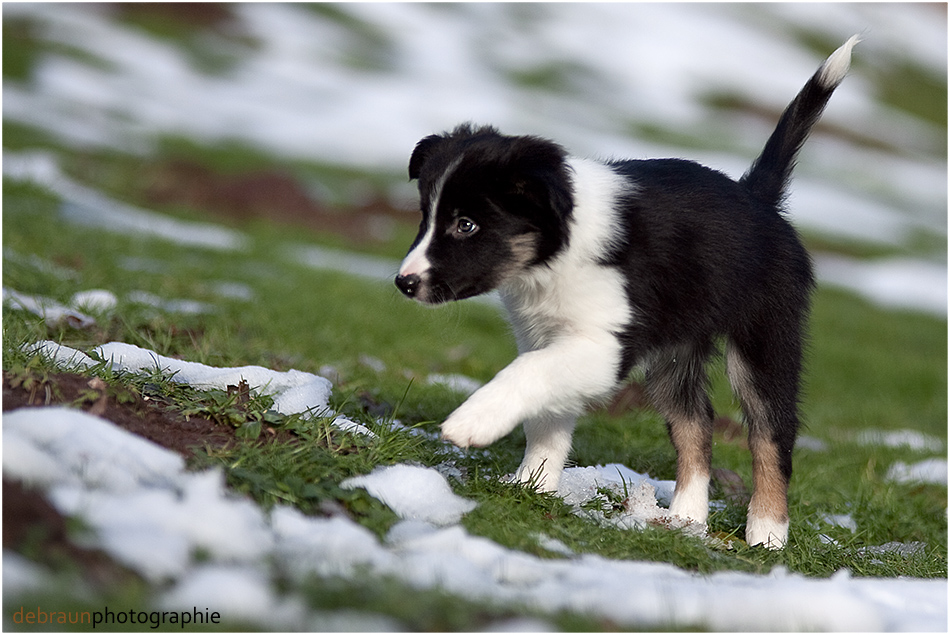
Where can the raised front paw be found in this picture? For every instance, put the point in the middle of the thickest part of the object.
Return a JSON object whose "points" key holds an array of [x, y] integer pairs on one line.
{"points": [[468, 427]]}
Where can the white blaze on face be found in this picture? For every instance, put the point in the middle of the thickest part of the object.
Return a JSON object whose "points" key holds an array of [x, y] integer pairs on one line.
{"points": [[416, 261]]}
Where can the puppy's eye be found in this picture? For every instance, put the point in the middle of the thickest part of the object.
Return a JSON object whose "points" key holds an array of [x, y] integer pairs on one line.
{"points": [[465, 226]]}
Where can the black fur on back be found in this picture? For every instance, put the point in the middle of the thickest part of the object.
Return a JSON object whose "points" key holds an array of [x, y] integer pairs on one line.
{"points": [[703, 257]]}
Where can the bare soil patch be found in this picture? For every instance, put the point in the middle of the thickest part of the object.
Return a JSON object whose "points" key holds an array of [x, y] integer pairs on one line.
{"points": [[31, 525]]}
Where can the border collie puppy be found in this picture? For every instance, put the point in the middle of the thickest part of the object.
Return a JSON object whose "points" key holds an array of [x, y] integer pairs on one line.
{"points": [[606, 265]]}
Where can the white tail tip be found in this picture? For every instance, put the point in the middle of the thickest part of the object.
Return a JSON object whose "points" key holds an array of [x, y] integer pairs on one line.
{"points": [[836, 66]]}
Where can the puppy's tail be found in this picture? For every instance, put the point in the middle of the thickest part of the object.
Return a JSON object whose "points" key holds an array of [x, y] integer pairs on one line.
{"points": [[769, 175]]}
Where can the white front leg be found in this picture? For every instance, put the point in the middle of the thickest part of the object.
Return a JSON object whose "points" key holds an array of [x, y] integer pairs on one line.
{"points": [[548, 444], [559, 379]]}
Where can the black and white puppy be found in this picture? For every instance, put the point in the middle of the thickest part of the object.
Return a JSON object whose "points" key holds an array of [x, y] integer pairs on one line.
{"points": [[606, 265]]}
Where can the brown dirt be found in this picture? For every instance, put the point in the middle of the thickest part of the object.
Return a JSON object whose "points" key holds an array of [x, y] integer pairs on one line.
{"points": [[275, 195], [128, 410], [31, 525]]}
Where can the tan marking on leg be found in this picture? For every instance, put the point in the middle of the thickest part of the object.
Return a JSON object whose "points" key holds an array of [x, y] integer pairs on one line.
{"points": [[768, 509], [692, 441], [740, 378]]}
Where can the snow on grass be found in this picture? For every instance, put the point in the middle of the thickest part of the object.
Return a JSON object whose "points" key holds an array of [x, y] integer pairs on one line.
{"points": [[928, 471], [453, 381], [655, 65], [293, 391], [84, 450], [52, 312], [96, 301], [889, 282], [150, 514], [87, 206], [912, 439], [898, 282], [414, 493], [183, 307], [638, 497]]}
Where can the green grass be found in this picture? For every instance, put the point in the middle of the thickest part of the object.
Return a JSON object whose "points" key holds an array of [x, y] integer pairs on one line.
{"points": [[868, 368]]}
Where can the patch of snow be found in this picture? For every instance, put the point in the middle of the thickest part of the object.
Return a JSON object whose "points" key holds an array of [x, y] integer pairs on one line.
{"points": [[373, 363], [328, 547], [233, 290], [63, 356], [554, 545], [348, 425], [455, 382], [97, 301], [370, 267], [840, 520], [52, 312], [136, 528], [901, 438], [639, 493], [636, 594], [236, 593], [580, 484], [890, 282], [294, 391], [414, 493], [87, 450], [183, 307], [930, 471], [21, 575], [520, 625], [904, 549], [811, 443], [88, 206]]}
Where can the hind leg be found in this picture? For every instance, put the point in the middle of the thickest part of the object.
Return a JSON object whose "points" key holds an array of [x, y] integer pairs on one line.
{"points": [[764, 372], [676, 382]]}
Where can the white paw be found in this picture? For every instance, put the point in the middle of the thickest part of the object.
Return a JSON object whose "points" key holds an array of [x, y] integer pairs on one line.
{"points": [[691, 501], [540, 477], [770, 533], [467, 427]]}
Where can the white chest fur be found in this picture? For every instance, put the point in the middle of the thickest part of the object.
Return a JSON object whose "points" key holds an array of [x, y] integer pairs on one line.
{"points": [[574, 295]]}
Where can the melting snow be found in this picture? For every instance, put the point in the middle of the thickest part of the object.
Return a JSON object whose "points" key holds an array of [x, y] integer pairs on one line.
{"points": [[294, 391], [901, 438], [87, 206], [458, 383], [149, 513], [52, 312], [414, 493], [95, 301], [269, 97], [891, 282], [897, 282], [929, 471]]}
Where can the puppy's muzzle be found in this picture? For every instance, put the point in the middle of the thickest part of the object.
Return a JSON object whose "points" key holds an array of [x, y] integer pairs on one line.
{"points": [[409, 284]]}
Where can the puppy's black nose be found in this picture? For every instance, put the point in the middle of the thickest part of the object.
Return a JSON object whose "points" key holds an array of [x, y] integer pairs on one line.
{"points": [[409, 284]]}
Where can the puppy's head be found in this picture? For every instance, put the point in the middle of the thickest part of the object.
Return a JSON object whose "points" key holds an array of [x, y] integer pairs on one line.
{"points": [[492, 206]]}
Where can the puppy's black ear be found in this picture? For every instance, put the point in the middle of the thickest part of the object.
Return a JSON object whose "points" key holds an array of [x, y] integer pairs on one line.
{"points": [[421, 153], [540, 173]]}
